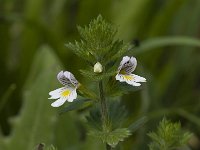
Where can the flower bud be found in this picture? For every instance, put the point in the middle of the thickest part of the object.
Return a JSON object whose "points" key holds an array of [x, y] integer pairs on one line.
{"points": [[98, 67]]}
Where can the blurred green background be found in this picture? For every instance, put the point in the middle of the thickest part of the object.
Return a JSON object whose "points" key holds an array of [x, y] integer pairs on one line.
{"points": [[32, 51]]}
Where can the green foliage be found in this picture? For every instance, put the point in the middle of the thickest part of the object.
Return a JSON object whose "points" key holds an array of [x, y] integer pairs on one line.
{"points": [[116, 117], [112, 133], [77, 104], [114, 88], [35, 122], [98, 37], [168, 136], [94, 119], [96, 77], [112, 138], [172, 70], [98, 44]]}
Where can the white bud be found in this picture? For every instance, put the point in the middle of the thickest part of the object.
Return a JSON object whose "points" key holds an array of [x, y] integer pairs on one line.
{"points": [[98, 67]]}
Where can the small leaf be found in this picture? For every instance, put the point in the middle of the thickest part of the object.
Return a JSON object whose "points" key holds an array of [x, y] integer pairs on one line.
{"points": [[123, 48], [80, 49], [112, 138], [117, 135]]}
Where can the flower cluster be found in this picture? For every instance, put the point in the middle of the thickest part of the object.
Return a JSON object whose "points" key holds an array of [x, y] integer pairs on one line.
{"points": [[67, 79]]}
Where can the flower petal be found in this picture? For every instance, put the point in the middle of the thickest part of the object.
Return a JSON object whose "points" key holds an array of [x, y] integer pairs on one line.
{"points": [[128, 79], [56, 93], [138, 78], [133, 61], [124, 60], [72, 96], [59, 102], [133, 83], [63, 79], [127, 65], [120, 77], [71, 78]]}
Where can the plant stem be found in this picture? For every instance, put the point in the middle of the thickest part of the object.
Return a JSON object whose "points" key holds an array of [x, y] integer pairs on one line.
{"points": [[104, 111]]}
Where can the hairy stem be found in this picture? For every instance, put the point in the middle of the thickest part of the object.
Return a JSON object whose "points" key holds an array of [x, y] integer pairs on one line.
{"points": [[104, 111]]}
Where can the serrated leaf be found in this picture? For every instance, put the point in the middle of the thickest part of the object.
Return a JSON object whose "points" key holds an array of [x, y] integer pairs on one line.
{"points": [[80, 49], [120, 51], [98, 35], [168, 136], [117, 135], [112, 138]]}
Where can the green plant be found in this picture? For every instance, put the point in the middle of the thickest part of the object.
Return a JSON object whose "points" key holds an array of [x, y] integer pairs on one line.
{"points": [[102, 52], [169, 136]]}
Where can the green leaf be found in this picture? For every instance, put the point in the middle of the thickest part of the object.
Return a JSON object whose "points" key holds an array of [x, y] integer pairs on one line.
{"points": [[112, 138], [77, 104], [99, 36], [152, 44], [116, 117], [94, 119], [168, 136], [117, 135], [119, 52], [115, 88], [80, 49], [34, 123]]}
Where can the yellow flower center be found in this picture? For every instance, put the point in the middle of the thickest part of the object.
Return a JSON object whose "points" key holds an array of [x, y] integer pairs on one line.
{"points": [[66, 93], [128, 77]]}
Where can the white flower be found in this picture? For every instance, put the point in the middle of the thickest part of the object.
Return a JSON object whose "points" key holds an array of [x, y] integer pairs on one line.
{"points": [[126, 67], [98, 67], [66, 93]]}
